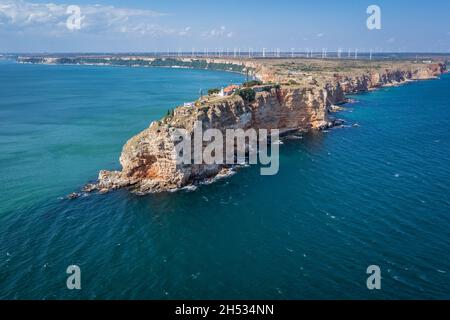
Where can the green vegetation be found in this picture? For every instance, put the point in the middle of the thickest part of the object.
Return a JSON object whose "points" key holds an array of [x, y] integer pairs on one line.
{"points": [[343, 66], [252, 83], [247, 94], [169, 114], [271, 86], [303, 67], [196, 64], [158, 62], [32, 60], [213, 91]]}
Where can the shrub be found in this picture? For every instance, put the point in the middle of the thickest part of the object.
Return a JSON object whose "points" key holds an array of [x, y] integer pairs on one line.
{"points": [[247, 94], [169, 114], [275, 85], [252, 83], [213, 91]]}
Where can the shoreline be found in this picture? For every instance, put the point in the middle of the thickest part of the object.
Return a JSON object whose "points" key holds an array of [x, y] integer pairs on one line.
{"points": [[296, 106], [123, 66], [137, 61]]}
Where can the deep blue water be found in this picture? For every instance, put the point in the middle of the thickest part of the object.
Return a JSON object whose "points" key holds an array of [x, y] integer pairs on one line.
{"points": [[343, 199]]}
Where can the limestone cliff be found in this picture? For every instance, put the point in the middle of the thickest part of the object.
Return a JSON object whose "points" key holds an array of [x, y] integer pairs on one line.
{"points": [[148, 160]]}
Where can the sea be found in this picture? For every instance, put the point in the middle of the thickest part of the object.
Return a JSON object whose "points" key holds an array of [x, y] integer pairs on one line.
{"points": [[374, 192]]}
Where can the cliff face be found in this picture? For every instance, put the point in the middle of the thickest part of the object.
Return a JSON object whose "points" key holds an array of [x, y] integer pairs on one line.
{"points": [[289, 109], [376, 79], [148, 160]]}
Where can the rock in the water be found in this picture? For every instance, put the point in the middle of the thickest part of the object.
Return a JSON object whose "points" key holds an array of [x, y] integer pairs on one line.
{"points": [[73, 195]]}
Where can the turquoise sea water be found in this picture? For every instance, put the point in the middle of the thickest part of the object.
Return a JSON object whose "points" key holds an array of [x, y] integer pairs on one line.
{"points": [[343, 199]]}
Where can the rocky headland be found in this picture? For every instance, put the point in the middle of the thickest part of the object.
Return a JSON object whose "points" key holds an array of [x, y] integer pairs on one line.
{"points": [[297, 95]]}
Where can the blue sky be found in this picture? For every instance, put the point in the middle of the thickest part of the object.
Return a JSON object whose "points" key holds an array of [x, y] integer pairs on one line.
{"points": [[123, 26]]}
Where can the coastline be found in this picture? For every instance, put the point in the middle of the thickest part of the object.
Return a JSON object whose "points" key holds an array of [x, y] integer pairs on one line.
{"points": [[300, 104], [122, 66], [136, 62]]}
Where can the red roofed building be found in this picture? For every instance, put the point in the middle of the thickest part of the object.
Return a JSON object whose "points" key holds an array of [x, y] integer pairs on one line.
{"points": [[228, 90]]}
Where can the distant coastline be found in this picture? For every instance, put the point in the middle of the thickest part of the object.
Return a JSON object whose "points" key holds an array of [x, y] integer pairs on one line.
{"points": [[125, 61]]}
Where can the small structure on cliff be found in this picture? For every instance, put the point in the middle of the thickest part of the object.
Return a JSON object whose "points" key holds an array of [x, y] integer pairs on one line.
{"points": [[228, 91]]}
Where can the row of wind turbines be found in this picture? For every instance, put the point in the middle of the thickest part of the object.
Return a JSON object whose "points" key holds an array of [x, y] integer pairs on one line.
{"points": [[340, 53]]}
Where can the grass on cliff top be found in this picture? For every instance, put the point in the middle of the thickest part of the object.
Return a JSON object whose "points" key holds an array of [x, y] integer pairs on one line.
{"points": [[334, 65], [323, 67]]}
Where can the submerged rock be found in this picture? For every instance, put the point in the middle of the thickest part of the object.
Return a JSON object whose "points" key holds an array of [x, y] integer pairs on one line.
{"points": [[335, 108], [73, 195], [338, 122]]}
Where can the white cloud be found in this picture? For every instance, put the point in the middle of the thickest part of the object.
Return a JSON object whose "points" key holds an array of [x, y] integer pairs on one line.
{"points": [[216, 33], [49, 18], [320, 35]]}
